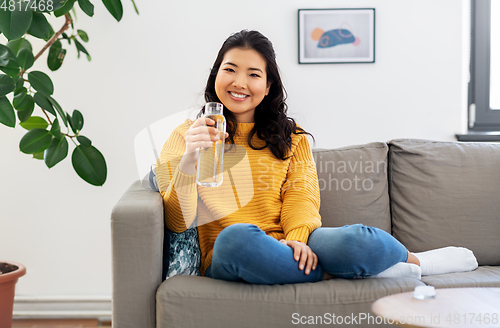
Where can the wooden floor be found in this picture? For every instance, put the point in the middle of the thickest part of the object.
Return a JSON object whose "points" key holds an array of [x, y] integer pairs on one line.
{"points": [[59, 323]]}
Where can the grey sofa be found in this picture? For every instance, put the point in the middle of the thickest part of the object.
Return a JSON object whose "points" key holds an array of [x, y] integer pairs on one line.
{"points": [[428, 194]]}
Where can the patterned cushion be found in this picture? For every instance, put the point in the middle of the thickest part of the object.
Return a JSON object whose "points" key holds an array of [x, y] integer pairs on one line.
{"points": [[183, 250], [184, 253]]}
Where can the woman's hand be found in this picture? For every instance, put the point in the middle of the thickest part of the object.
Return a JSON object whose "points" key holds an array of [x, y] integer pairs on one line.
{"points": [[308, 260], [200, 134]]}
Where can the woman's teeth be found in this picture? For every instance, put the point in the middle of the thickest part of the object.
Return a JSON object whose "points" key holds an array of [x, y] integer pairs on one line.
{"points": [[238, 95]]}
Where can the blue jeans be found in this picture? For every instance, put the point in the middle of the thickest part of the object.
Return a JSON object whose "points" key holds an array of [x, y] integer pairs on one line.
{"points": [[243, 252]]}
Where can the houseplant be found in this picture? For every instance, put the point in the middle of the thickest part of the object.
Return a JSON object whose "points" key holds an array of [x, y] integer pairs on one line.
{"points": [[22, 91]]}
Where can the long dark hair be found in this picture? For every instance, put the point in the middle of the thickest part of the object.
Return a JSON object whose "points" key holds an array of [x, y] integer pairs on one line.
{"points": [[272, 124]]}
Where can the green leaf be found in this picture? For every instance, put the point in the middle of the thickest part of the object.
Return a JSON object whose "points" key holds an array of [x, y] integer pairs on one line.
{"points": [[83, 36], [20, 90], [44, 103], [56, 45], [81, 48], [87, 7], [24, 115], [41, 82], [8, 61], [25, 58], [55, 130], [57, 151], [19, 81], [135, 7], [51, 33], [7, 115], [84, 141], [38, 155], [70, 121], [115, 8], [35, 122], [20, 101], [65, 36], [40, 27], [56, 56], [59, 110], [17, 45], [24, 104], [89, 164], [64, 9], [35, 141], [11, 68], [6, 52], [14, 24], [7, 85], [77, 120]]}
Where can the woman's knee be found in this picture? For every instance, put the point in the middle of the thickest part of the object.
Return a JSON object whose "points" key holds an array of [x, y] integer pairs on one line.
{"points": [[357, 232], [377, 248], [368, 242]]}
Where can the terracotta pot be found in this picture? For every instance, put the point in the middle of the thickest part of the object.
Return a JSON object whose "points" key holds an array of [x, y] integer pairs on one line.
{"points": [[7, 290]]}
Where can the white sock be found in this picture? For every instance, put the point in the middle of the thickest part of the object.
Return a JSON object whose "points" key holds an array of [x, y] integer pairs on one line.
{"points": [[400, 270], [446, 260]]}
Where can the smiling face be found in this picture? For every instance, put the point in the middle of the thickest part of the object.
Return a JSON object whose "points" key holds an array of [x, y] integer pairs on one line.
{"points": [[241, 82]]}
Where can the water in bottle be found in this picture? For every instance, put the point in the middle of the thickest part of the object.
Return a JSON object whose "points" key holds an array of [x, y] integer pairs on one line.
{"points": [[209, 171]]}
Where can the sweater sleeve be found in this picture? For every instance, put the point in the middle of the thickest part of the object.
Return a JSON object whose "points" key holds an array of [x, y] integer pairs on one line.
{"points": [[179, 192], [300, 194]]}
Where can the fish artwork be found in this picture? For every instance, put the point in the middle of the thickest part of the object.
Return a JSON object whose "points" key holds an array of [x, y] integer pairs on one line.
{"points": [[334, 37]]}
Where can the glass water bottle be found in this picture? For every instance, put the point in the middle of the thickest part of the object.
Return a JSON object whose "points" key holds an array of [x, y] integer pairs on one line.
{"points": [[211, 159]]}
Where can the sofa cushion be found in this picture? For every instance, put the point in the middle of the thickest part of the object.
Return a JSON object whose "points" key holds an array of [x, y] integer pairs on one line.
{"points": [[187, 301], [484, 276], [446, 194], [353, 185]]}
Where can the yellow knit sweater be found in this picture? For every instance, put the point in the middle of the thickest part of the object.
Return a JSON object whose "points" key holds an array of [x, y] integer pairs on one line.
{"points": [[280, 197]]}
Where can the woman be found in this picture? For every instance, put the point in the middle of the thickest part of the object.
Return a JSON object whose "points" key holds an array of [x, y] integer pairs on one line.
{"points": [[262, 225]]}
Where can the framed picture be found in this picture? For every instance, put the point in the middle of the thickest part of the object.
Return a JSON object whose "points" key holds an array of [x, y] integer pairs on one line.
{"points": [[336, 36]]}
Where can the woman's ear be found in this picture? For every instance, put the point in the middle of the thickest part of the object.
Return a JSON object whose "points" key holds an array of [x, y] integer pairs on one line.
{"points": [[268, 87]]}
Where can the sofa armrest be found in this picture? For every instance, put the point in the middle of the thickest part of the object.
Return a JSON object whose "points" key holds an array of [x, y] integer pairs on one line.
{"points": [[137, 250]]}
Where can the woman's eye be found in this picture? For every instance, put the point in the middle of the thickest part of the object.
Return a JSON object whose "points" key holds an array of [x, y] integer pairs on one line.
{"points": [[229, 69], [255, 75]]}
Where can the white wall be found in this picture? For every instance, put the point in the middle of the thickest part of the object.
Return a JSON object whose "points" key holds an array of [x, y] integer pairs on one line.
{"points": [[153, 65]]}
